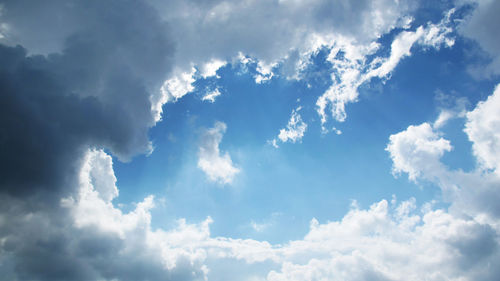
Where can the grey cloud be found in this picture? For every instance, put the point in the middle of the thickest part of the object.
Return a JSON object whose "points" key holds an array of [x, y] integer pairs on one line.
{"points": [[482, 27], [474, 244], [273, 28], [94, 91], [45, 245]]}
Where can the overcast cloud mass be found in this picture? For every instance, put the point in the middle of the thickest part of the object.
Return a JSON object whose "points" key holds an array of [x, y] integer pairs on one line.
{"points": [[249, 140]]}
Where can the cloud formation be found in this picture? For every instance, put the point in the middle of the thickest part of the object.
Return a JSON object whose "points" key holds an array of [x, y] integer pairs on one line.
{"points": [[483, 129], [93, 239], [354, 64], [294, 131], [273, 34], [96, 92], [418, 151], [218, 167], [97, 85], [91, 88]]}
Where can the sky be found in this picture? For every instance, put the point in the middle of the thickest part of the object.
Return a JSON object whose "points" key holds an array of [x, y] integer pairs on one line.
{"points": [[253, 140]]}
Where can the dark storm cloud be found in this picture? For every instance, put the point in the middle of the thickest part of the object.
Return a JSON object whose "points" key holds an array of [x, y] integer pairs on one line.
{"points": [[94, 93], [44, 245]]}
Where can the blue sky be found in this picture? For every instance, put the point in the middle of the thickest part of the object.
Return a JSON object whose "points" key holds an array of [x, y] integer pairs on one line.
{"points": [[250, 140], [318, 176]]}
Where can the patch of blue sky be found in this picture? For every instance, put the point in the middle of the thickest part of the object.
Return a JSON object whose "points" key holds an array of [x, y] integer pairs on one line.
{"points": [[317, 177]]}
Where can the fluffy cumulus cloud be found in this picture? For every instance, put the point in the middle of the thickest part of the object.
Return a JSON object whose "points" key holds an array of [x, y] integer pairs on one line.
{"points": [[274, 34], [86, 237], [391, 241], [418, 151], [387, 241], [217, 166], [483, 129], [95, 240], [90, 82], [90, 87]]}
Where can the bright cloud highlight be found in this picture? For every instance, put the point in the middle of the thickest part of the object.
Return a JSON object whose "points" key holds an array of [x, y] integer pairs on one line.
{"points": [[218, 167]]}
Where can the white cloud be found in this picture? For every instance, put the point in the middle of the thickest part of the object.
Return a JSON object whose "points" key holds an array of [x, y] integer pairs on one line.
{"points": [[216, 165], [443, 118], [417, 151], [210, 68], [380, 243], [294, 130], [98, 241], [483, 129], [178, 85], [384, 242], [211, 95], [450, 108], [285, 40], [352, 69]]}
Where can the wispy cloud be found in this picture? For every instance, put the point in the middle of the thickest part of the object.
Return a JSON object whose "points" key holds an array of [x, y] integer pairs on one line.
{"points": [[217, 165], [294, 130]]}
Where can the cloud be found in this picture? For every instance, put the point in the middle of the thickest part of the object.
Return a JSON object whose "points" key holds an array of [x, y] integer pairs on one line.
{"points": [[483, 130], [418, 151], [210, 68], [450, 107], [396, 242], [85, 237], [265, 38], [218, 167], [294, 130], [96, 92], [90, 90], [381, 244], [99, 85], [211, 95], [354, 64], [296, 30], [481, 26], [387, 241]]}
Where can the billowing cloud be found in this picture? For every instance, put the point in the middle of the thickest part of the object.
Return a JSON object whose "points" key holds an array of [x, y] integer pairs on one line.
{"points": [[483, 129], [90, 89], [295, 30], [217, 165], [95, 92], [395, 242], [91, 82], [85, 237], [418, 151], [387, 241]]}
